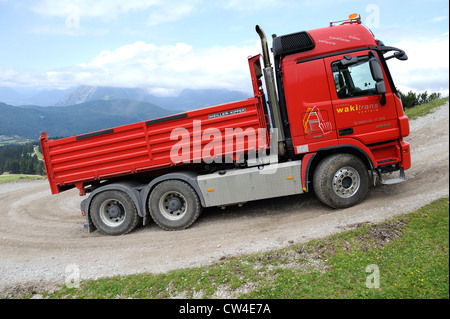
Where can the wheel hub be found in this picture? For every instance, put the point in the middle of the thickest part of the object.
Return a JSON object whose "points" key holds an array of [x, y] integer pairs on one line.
{"points": [[346, 182], [174, 204], [114, 211]]}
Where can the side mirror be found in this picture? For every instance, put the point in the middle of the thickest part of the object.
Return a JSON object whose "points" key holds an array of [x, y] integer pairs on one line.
{"points": [[377, 75], [380, 87], [375, 69], [400, 55]]}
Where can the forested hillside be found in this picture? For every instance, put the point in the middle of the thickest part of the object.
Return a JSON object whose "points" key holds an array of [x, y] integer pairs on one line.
{"points": [[15, 159]]}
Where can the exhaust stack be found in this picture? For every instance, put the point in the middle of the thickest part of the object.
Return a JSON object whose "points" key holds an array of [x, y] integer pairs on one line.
{"points": [[271, 92]]}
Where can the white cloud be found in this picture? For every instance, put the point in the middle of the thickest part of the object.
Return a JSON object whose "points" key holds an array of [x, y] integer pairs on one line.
{"points": [[249, 5], [161, 69], [427, 67], [171, 67], [77, 11], [438, 19], [92, 8], [172, 11], [160, 11], [64, 30]]}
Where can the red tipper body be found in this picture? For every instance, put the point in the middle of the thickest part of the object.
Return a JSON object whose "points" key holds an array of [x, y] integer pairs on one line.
{"points": [[147, 145]]}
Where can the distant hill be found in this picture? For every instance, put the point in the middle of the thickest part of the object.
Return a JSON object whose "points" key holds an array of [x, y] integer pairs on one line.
{"points": [[8, 95], [85, 93], [192, 99], [46, 97], [89, 108], [30, 121], [31, 96], [187, 100]]}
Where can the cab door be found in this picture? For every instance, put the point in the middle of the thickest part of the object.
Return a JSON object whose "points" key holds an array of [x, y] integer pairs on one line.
{"points": [[360, 111], [308, 105]]}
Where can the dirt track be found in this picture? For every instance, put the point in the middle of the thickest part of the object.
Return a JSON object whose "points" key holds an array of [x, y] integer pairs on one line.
{"points": [[41, 235]]}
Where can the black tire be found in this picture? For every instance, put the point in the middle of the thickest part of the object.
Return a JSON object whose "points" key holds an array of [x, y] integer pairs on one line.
{"points": [[174, 205], [114, 213], [341, 180]]}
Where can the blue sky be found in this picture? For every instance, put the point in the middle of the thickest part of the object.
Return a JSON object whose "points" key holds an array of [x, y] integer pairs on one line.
{"points": [[170, 45]]}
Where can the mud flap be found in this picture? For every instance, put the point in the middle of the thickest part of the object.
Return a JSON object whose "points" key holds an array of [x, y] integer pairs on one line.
{"points": [[89, 225]]}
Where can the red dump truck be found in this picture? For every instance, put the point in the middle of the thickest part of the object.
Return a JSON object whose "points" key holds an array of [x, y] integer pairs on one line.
{"points": [[330, 120]]}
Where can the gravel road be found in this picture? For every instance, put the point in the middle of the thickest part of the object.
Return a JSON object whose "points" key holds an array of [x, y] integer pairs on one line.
{"points": [[43, 242]]}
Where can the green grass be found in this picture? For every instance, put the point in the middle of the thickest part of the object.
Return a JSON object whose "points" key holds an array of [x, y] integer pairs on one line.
{"points": [[6, 178], [39, 155], [15, 141], [409, 254], [424, 109]]}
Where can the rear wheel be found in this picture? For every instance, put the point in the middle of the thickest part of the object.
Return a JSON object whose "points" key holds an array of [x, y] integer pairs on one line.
{"points": [[341, 180], [113, 213], [174, 205]]}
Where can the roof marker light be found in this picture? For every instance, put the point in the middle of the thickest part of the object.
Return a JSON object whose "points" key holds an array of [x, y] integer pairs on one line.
{"points": [[352, 18]]}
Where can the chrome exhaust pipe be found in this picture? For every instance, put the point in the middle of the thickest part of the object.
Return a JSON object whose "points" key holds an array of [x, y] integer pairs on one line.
{"points": [[264, 46], [271, 91]]}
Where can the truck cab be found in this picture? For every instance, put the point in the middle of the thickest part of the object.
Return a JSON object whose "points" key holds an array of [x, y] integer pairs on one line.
{"points": [[336, 95]]}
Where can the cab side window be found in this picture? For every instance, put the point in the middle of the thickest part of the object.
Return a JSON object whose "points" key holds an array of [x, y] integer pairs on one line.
{"points": [[353, 79]]}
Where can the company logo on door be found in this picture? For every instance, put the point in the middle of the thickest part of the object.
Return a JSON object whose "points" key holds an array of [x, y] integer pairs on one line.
{"points": [[349, 108]]}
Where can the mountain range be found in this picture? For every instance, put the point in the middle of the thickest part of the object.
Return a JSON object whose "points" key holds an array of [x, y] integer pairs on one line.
{"points": [[188, 99], [31, 96], [88, 108], [29, 121]]}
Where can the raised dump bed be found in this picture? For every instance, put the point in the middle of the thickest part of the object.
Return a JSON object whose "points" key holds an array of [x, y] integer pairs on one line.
{"points": [[153, 144]]}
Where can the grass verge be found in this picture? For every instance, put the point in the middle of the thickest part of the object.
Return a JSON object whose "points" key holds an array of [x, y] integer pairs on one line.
{"points": [[6, 178], [424, 109], [406, 257]]}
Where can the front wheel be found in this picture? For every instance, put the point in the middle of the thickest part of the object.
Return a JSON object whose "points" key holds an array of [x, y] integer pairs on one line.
{"points": [[341, 180]]}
